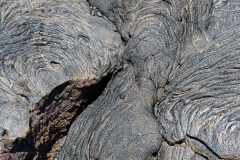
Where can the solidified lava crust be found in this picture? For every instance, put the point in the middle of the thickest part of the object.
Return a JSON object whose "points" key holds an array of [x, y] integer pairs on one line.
{"points": [[54, 113]]}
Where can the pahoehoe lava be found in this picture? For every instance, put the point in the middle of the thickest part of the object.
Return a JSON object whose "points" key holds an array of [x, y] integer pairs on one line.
{"points": [[119, 79]]}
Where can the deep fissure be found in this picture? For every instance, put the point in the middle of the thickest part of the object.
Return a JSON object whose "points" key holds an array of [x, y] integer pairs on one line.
{"points": [[204, 144], [54, 114]]}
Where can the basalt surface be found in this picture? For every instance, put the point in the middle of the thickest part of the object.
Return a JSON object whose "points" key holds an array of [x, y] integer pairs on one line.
{"points": [[120, 79]]}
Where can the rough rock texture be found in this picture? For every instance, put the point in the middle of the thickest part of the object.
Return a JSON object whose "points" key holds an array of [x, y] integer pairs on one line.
{"points": [[43, 45], [120, 79]]}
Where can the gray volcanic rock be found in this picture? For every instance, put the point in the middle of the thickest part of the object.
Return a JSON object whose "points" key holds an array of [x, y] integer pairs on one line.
{"points": [[43, 45], [102, 79]]}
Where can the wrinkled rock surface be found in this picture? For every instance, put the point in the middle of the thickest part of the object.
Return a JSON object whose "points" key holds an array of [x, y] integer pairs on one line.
{"points": [[108, 79]]}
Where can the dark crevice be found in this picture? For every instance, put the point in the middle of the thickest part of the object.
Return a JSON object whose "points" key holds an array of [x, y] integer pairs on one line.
{"points": [[23, 96], [154, 154], [201, 97], [167, 2], [203, 143], [53, 62], [54, 113], [124, 40], [180, 141], [129, 35], [4, 132]]}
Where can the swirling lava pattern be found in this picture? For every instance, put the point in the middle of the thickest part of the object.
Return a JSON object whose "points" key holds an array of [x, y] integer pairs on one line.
{"points": [[44, 44], [175, 94]]}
